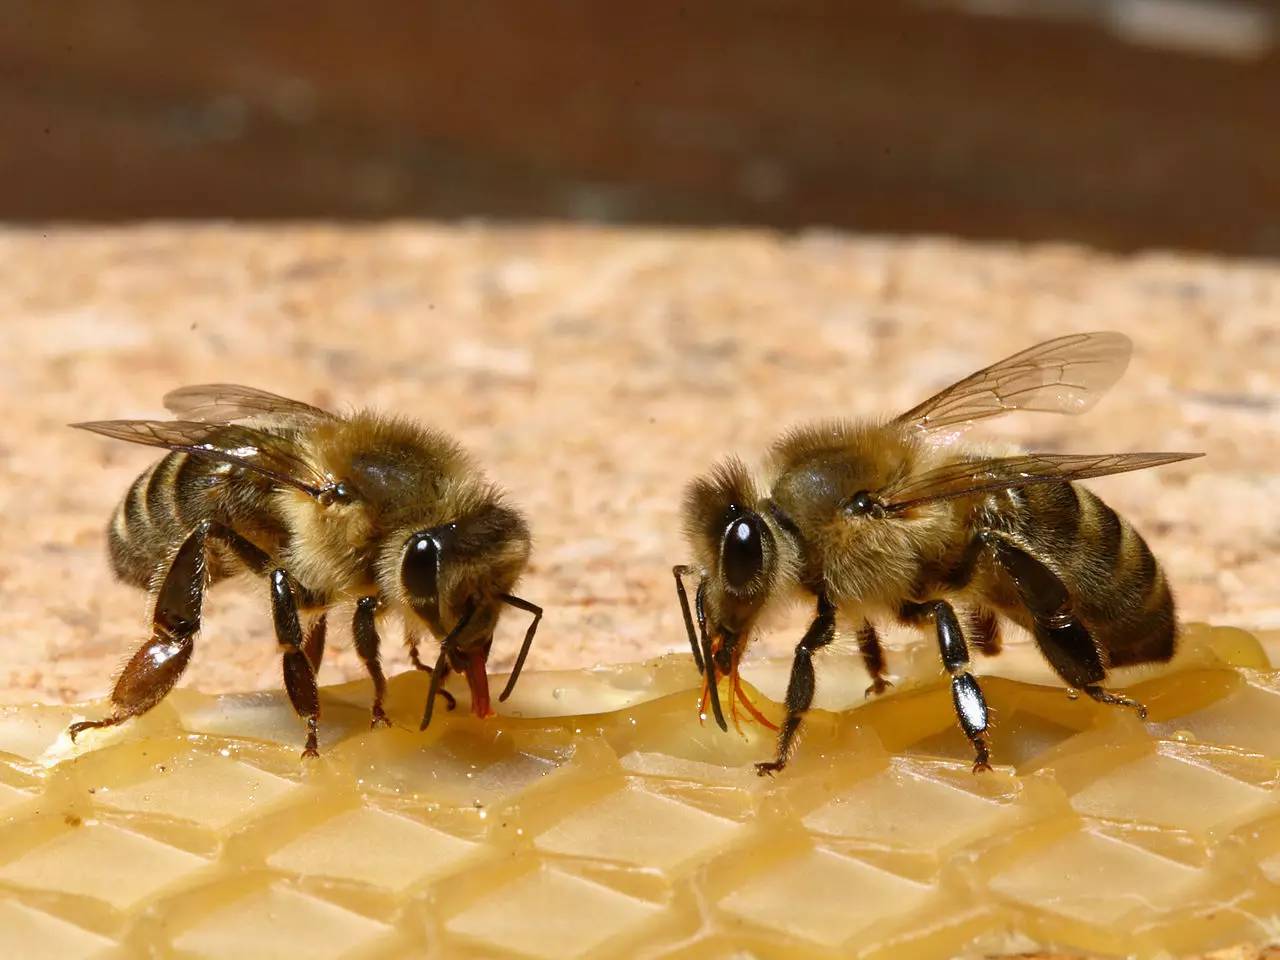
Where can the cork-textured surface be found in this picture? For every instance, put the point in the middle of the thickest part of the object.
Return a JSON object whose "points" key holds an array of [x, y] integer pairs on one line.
{"points": [[594, 372]]}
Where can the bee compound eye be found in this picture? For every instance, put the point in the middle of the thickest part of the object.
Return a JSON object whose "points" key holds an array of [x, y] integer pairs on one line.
{"points": [[860, 504], [743, 550], [420, 570]]}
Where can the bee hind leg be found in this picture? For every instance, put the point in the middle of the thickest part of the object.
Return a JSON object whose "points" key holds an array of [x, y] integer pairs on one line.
{"points": [[800, 685], [1065, 642], [175, 620], [158, 664]]}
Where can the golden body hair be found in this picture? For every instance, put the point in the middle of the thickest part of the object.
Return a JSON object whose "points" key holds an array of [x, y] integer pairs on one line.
{"points": [[365, 508], [879, 521]]}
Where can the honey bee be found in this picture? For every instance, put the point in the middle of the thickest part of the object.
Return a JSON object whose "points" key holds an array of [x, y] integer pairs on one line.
{"points": [[366, 508], [892, 521]]}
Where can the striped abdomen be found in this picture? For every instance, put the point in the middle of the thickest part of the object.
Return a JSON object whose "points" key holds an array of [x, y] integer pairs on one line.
{"points": [[1117, 588], [166, 502]]}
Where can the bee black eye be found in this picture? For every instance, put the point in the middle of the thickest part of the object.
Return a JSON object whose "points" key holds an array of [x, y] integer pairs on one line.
{"points": [[420, 569], [743, 551], [860, 504]]}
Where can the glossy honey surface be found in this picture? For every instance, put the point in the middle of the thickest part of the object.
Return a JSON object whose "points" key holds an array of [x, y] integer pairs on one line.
{"points": [[600, 818]]}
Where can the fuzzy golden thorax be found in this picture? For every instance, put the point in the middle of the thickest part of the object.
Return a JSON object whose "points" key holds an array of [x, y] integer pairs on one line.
{"points": [[819, 471], [393, 479]]}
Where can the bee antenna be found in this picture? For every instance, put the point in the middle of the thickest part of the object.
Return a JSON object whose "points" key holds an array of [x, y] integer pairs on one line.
{"points": [[536, 610]]}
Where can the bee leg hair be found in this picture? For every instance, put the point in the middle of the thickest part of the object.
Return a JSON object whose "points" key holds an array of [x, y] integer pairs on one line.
{"points": [[800, 685], [313, 645]]}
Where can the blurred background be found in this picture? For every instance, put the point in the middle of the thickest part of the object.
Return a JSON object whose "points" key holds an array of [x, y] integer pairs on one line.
{"points": [[1123, 124]]}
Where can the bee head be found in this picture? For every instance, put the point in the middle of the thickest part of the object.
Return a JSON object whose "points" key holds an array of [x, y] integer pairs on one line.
{"points": [[454, 577], [738, 550]]}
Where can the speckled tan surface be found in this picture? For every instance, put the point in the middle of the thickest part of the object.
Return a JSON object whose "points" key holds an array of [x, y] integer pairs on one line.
{"points": [[594, 371]]}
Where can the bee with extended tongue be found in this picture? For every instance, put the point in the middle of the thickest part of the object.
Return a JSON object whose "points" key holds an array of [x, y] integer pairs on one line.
{"points": [[890, 520], [362, 508]]}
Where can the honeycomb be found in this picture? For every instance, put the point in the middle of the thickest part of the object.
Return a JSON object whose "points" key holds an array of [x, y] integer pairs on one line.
{"points": [[598, 817]]}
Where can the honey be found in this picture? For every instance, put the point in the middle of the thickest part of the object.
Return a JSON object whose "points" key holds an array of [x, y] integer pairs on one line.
{"points": [[600, 817]]}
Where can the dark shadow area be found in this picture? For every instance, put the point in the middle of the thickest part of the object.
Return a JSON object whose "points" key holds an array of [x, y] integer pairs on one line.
{"points": [[1119, 123]]}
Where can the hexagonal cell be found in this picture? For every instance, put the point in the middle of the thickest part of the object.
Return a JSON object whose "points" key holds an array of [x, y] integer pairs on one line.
{"points": [[21, 928], [102, 861], [664, 766], [266, 716], [550, 914], [1172, 792], [1233, 720], [213, 792], [1098, 880], [825, 898], [281, 924], [466, 766], [375, 848], [635, 826], [911, 807]]}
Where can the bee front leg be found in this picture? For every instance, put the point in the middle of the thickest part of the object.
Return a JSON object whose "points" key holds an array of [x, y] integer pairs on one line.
{"points": [[365, 630], [299, 677], [966, 695], [800, 685], [450, 701], [1065, 642]]}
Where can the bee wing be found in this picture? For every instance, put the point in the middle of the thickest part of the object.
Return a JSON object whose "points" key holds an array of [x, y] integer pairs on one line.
{"points": [[229, 402], [265, 453], [965, 478], [1066, 375]]}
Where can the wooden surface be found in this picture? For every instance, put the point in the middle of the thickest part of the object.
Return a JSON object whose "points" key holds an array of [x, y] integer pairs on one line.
{"points": [[594, 372], [1120, 123]]}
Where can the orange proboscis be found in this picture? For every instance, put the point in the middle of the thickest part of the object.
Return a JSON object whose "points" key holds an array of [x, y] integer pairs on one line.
{"points": [[736, 693]]}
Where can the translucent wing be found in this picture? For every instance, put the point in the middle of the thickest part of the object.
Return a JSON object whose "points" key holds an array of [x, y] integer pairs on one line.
{"points": [[1066, 375], [271, 455], [229, 402], [964, 478]]}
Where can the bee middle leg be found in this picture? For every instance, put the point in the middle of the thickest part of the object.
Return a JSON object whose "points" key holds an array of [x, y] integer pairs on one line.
{"points": [[800, 685], [313, 644], [873, 657], [1065, 642], [364, 628], [966, 695], [299, 675]]}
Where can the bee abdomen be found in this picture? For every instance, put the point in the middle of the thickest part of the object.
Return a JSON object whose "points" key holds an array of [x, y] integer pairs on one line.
{"points": [[147, 524], [1116, 583]]}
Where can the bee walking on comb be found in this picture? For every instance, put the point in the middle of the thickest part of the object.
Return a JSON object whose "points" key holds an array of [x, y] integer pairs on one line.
{"points": [[367, 509], [882, 521]]}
